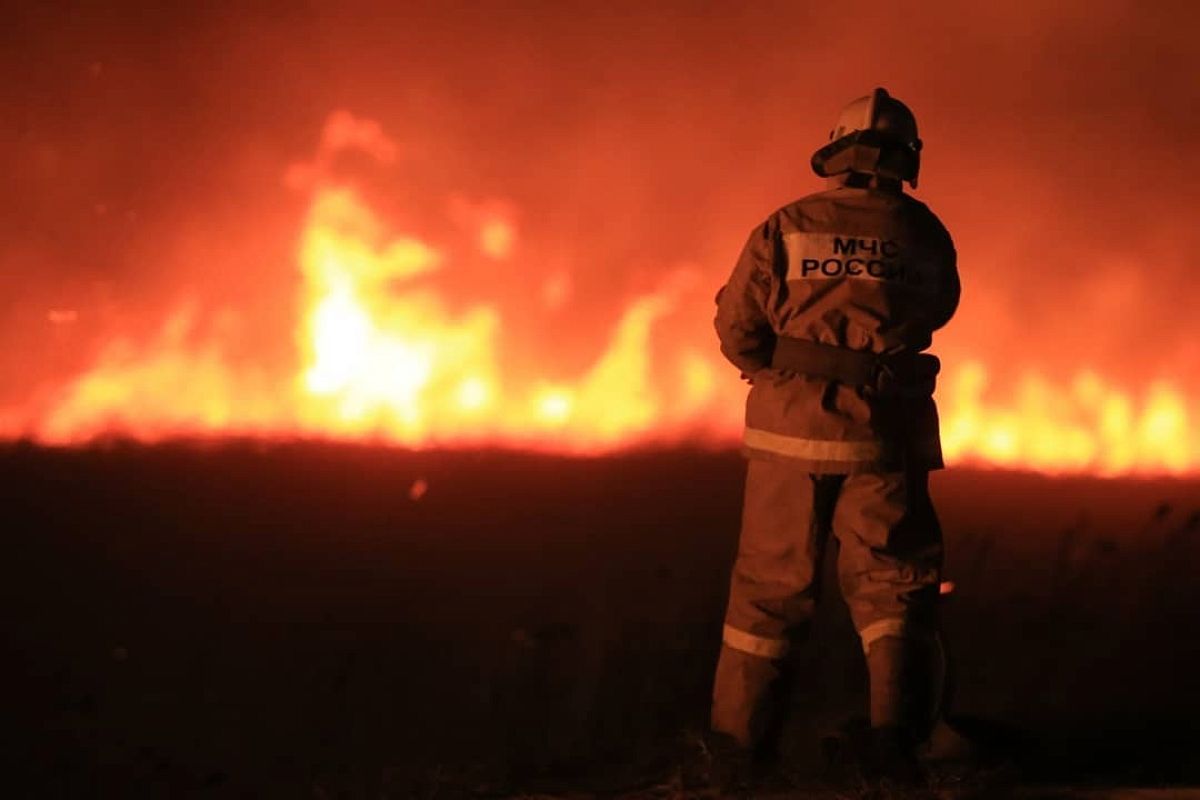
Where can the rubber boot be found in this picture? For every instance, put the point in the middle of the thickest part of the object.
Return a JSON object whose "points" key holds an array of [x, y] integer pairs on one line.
{"points": [[749, 693], [742, 695], [901, 707]]}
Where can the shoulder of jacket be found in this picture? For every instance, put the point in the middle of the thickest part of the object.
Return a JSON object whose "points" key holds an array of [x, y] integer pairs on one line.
{"points": [[920, 208], [915, 205], [792, 215], [928, 221], [812, 199]]}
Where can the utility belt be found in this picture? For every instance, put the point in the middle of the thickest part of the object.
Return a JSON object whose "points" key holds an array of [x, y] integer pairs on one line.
{"points": [[908, 372]]}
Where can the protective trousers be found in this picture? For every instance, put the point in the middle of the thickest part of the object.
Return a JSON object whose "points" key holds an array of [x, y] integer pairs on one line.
{"points": [[889, 569]]}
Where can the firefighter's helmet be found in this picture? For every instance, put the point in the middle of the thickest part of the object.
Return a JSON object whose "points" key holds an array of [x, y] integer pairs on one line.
{"points": [[875, 134]]}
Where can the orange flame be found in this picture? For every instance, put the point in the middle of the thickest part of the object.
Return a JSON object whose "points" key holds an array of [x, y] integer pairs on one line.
{"points": [[1086, 426], [382, 356]]}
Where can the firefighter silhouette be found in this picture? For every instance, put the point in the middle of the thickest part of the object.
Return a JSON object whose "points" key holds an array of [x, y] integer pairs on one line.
{"points": [[827, 312]]}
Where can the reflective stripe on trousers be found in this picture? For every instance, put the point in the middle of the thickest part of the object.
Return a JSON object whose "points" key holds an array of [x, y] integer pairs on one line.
{"points": [[754, 645], [893, 626]]}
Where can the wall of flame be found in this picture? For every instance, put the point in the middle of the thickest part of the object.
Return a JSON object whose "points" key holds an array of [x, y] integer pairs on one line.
{"points": [[381, 356]]}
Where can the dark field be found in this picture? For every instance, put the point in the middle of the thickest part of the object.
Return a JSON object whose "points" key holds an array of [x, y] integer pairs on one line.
{"points": [[288, 621]]}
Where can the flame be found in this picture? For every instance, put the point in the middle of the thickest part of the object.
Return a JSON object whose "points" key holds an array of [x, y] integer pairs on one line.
{"points": [[382, 355], [1087, 425]]}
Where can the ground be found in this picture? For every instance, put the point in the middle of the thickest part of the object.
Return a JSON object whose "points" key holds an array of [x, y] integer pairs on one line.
{"points": [[301, 620]]}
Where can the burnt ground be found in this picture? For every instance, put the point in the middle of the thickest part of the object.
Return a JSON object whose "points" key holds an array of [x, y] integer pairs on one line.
{"points": [[287, 621]]}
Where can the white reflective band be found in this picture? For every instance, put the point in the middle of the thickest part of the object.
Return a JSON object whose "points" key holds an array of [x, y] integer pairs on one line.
{"points": [[879, 629], [754, 645], [823, 256], [814, 449]]}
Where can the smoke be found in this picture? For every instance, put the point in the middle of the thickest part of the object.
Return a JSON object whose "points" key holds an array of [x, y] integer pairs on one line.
{"points": [[146, 152]]}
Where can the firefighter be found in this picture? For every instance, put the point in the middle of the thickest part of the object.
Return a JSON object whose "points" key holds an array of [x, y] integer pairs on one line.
{"points": [[826, 314]]}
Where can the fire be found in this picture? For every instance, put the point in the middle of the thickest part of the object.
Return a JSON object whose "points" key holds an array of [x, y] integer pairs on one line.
{"points": [[383, 355], [1088, 425], [398, 364]]}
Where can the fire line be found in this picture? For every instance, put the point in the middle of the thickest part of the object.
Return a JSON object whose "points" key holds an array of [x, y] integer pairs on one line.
{"points": [[400, 366]]}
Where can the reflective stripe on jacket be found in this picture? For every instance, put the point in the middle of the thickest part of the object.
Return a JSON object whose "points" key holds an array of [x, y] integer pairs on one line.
{"points": [[866, 269]]}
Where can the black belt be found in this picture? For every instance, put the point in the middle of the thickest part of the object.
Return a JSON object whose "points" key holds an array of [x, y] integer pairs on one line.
{"points": [[854, 367]]}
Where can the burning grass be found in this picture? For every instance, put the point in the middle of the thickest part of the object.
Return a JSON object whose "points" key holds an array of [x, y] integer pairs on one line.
{"points": [[402, 336]]}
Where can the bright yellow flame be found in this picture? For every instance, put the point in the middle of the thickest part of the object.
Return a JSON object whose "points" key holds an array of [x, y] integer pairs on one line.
{"points": [[554, 405], [1088, 426], [474, 394]]}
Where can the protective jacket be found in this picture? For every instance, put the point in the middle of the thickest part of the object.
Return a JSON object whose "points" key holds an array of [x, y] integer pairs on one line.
{"points": [[866, 269]]}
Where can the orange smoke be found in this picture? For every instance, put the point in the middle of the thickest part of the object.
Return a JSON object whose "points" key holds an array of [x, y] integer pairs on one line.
{"points": [[382, 354]]}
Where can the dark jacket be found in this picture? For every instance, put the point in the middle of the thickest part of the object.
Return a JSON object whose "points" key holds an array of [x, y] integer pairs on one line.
{"points": [[862, 268]]}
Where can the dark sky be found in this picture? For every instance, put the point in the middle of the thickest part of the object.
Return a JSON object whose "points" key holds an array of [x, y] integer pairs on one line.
{"points": [[143, 150]]}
